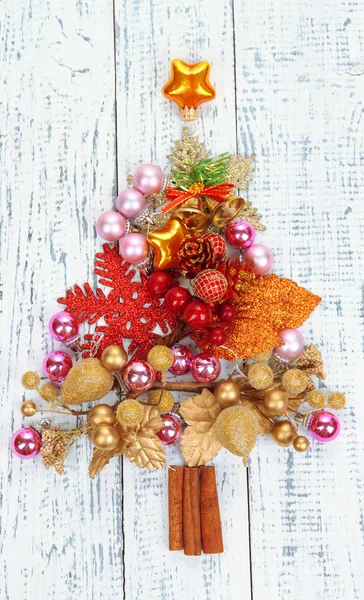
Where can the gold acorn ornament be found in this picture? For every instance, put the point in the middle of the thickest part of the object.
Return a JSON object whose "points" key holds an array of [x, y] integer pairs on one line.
{"points": [[102, 413], [105, 437], [114, 358], [87, 381], [227, 393]]}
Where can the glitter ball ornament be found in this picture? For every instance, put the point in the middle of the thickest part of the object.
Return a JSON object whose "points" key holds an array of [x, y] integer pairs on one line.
{"points": [[218, 245], [114, 358], [275, 402], [316, 399], [301, 443], [240, 234], [182, 359], [87, 381], [159, 283], [226, 312], [294, 381], [49, 392], [130, 412], [227, 393], [102, 413], [30, 380], [324, 426], [205, 367], [283, 433], [262, 356], [138, 376], [161, 358], [337, 400], [163, 400], [28, 408], [57, 365], [210, 285], [294, 344], [176, 299], [237, 430], [260, 376], [26, 442], [64, 327], [105, 437], [171, 430], [197, 315]]}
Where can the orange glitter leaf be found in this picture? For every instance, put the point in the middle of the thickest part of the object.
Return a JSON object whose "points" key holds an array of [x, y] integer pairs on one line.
{"points": [[271, 305]]}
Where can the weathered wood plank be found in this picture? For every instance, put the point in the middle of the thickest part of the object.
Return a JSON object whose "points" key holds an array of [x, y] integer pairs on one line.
{"points": [[299, 108]]}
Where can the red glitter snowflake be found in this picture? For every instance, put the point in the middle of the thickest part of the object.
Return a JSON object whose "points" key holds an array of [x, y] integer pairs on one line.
{"points": [[128, 310]]}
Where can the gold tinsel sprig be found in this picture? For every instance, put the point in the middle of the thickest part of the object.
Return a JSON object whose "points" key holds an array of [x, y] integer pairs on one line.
{"points": [[55, 446], [311, 362]]}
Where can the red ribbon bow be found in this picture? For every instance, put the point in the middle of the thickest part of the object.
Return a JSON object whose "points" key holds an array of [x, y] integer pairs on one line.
{"points": [[178, 197]]}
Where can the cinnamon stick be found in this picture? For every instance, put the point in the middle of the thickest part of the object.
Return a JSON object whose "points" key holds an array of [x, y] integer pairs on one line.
{"points": [[210, 514], [191, 512], [175, 506]]}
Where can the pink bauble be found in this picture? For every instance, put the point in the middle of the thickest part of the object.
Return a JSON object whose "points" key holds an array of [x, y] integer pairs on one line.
{"points": [[148, 179], [138, 376], [130, 203], [56, 365], [259, 258], [324, 426], [171, 430], [134, 248], [26, 442], [205, 367], [64, 327], [111, 225], [240, 234], [182, 359], [294, 344]]}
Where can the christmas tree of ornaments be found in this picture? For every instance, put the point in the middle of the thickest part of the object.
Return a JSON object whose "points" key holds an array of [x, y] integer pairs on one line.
{"points": [[181, 261]]}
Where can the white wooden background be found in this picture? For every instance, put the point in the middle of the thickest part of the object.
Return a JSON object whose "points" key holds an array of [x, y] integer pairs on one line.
{"points": [[80, 108]]}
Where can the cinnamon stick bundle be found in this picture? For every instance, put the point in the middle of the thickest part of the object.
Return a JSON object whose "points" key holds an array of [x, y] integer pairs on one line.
{"points": [[191, 512], [210, 514], [175, 507]]}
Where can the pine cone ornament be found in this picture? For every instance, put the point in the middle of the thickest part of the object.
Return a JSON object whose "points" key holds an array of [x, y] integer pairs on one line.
{"points": [[195, 253]]}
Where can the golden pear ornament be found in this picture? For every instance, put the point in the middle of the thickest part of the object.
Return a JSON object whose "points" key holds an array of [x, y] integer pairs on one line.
{"points": [[237, 429], [87, 381]]}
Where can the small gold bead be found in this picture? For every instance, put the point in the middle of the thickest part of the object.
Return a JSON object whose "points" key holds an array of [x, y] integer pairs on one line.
{"points": [[275, 402], [301, 443], [316, 399], [30, 380], [283, 433], [337, 400], [48, 392], [28, 408], [114, 358], [102, 413], [105, 437], [160, 358], [294, 381], [130, 412], [227, 393], [260, 376], [163, 400]]}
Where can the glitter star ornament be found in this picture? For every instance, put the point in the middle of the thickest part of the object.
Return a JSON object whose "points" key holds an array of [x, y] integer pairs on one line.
{"points": [[189, 86]]}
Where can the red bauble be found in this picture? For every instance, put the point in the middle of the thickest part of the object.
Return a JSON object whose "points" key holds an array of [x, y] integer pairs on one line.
{"points": [[210, 285], [197, 315], [217, 336], [218, 244], [226, 312], [176, 299], [159, 283]]}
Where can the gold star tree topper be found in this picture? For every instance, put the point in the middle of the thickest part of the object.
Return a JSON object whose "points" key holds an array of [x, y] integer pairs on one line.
{"points": [[189, 86]]}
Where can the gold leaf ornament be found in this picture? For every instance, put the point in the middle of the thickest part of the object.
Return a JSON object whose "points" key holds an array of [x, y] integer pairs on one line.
{"points": [[100, 458], [199, 441], [239, 169], [143, 446]]}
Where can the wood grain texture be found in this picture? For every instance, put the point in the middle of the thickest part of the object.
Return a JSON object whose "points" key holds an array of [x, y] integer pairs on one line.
{"points": [[80, 108]]}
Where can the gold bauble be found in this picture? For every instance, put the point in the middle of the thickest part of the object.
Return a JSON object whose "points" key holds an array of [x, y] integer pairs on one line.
{"points": [[275, 402], [260, 376], [316, 399], [227, 393], [48, 392], [102, 413], [87, 381], [337, 400], [28, 408], [163, 400], [30, 380], [161, 358], [236, 429], [301, 443], [114, 358], [283, 433], [130, 412], [294, 381], [105, 437]]}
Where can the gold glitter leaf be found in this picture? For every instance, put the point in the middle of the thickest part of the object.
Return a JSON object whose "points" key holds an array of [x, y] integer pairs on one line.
{"points": [[146, 450], [239, 170], [100, 458], [187, 152], [250, 213], [200, 411]]}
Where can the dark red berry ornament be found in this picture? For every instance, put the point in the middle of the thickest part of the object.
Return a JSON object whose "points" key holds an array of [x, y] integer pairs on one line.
{"points": [[226, 312], [176, 299], [217, 336], [159, 283], [197, 315]]}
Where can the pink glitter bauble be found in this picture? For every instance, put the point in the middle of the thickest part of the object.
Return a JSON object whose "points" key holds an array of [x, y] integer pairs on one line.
{"points": [[210, 285], [56, 365], [294, 344], [26, 442], [182, 359], [240, 234], [148, 179], [130, 203], [111, 225], [64, 327], [171, 430], [324, 426], [217, 243], [259, 258], [138, 376], [134, 248], [205, 367]]}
